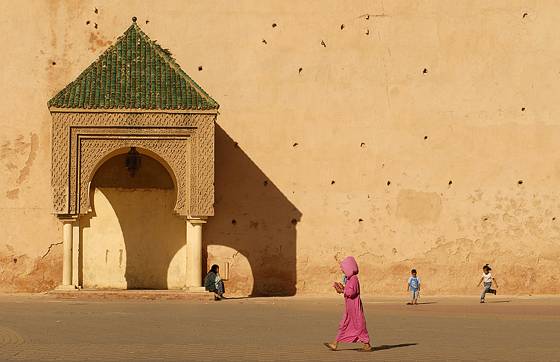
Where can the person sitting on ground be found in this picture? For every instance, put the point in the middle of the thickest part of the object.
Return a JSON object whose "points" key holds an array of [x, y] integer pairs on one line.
{"points": [[213, 282]]}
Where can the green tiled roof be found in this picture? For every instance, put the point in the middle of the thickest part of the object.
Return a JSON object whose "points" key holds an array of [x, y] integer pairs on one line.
{"points": [[134, 73]]}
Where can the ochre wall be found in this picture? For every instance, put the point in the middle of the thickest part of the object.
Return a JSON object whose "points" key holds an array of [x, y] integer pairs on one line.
{"points": [[402, 140]]}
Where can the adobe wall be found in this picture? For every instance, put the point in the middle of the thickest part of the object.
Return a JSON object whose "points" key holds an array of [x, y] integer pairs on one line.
{"points": [[423, 135]]}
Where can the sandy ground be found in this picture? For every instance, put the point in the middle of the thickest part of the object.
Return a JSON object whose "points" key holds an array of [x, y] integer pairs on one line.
{"points": [[44, 327]]}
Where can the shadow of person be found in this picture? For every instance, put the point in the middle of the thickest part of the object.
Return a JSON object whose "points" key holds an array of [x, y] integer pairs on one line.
{"points": [[253, 217], [391, 346], [379, 348]]}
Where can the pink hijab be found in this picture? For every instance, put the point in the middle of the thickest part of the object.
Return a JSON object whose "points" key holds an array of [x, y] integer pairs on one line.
{"points": [[349, 266]]}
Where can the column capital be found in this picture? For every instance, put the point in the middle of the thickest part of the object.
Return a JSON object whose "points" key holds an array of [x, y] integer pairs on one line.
{"points": [[67, 218], [196, 220]]}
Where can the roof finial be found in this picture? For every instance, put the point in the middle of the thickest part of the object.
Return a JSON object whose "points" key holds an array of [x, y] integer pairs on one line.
{"points": [[134, 19]]}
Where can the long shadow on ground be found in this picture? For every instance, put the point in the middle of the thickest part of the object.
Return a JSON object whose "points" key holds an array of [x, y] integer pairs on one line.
{"points": [[391, 346], [380, 348]]}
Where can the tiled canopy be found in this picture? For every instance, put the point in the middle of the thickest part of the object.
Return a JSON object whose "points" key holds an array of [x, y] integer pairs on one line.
{"points": [[134, 73]]}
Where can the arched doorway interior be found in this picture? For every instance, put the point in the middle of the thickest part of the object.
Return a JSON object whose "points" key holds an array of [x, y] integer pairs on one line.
{"points": [[132, 239]]}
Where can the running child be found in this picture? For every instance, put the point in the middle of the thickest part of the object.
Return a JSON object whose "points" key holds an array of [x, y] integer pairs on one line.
{"points": [[487, 278]]}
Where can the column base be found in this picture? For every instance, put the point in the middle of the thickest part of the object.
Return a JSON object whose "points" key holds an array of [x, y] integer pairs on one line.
{"points": [[65, 287], [196, 290]]}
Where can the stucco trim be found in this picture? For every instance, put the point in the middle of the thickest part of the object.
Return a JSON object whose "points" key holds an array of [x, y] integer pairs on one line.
{"points": [[80, 141]]}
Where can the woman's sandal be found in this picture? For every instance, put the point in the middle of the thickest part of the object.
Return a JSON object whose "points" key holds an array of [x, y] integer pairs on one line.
{"points": [[330, 346]]}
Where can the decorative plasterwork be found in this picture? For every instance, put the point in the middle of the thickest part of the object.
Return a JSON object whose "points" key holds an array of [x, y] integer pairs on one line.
{"points": [[82, 141]]}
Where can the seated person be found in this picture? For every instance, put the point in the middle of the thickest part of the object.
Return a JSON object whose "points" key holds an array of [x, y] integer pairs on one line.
{"points": [[213, 282]]}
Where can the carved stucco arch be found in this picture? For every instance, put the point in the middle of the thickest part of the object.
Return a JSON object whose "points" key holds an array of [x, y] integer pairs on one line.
{"points": [[81, 140], [169, 153]]}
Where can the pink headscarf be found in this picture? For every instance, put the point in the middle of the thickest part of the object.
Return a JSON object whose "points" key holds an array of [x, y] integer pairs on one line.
{"points": [[349, 266]]}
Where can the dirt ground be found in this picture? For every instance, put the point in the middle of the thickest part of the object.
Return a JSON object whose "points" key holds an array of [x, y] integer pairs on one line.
{"points": [[48, 327]]}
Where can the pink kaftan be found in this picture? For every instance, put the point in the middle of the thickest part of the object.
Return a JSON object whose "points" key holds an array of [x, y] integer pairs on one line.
{"points": [[352, 327]]}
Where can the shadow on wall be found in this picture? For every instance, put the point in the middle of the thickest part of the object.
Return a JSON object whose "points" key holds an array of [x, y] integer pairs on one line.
{"points": [[134, 214], [253, 217]]}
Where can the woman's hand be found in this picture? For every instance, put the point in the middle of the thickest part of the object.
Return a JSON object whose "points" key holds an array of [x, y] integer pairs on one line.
{"points": [[338, 287]]}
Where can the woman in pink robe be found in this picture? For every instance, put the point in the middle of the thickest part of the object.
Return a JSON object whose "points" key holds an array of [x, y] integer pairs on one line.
{"points": [[352, 327]]}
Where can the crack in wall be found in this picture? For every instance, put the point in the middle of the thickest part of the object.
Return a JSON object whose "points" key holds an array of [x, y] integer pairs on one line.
{"points": [[49, 249]]}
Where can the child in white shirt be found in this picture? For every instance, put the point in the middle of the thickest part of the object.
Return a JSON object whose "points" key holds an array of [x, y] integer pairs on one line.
{"points": [[487, 278]]}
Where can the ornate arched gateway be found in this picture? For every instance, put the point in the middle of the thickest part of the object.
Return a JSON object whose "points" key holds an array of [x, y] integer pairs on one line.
{"points": [[134, 96]]}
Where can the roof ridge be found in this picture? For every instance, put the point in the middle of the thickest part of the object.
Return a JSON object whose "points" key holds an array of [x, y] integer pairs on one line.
{"points": [[166, 54]]}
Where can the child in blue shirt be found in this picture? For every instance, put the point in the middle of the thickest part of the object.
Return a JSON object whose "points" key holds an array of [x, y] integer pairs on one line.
{"points": [[413, 286]]}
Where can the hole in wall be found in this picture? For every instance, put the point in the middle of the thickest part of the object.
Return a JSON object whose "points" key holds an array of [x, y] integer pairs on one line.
{"points": [[264, 41], [199, 68], [96, 11], [294, 221], [522, 109], [520, 182], [53, 63], [425, 71], [360, 220], [233, 222], [332, 182], [295, 144], [87, 22], [362, 144], [323, 43], [388, 183], [265, 182], [425, 137], [95, 25], [299, 70], [15, 260], [525, 15], [450, 182], [147, 21], [274, 25], [341, 26]]}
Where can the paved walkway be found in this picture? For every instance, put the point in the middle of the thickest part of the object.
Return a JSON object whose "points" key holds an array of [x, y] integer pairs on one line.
{"points": [[42, 327]]}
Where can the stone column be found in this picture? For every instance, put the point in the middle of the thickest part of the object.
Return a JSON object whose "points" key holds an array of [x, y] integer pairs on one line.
{"points": [[67, 231], [194, 255], [76, 253]]}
